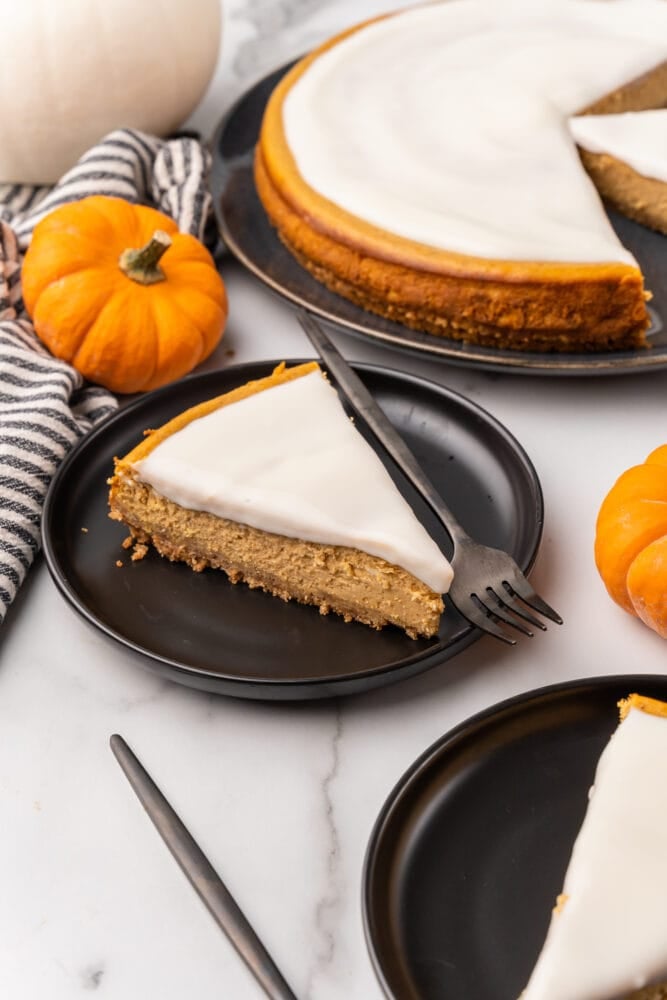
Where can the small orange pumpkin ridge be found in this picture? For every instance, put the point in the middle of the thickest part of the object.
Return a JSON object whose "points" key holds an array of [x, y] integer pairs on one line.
{"points": [[129, 325], [631, 541]]}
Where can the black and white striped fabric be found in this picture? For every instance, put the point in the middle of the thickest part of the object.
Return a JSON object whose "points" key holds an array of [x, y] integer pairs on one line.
{"points": [[45, 406]]}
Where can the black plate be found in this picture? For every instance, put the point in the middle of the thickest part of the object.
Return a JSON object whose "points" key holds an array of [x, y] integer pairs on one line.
{"points": [[469, 851], [199, 629], [247, 233]]}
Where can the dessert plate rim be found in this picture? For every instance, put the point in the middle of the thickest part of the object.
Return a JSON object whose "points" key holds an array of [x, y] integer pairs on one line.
{"points": [[194, 628], [544, 738]]}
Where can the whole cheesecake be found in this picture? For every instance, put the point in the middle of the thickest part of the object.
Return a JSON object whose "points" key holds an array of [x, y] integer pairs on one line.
{"points": [[273, 484], [421, 165]]}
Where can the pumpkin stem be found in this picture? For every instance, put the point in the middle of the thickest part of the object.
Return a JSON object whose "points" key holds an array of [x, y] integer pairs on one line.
{"points": [[143, 264]]}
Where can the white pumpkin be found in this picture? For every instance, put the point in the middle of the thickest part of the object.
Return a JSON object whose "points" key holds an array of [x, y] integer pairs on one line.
{"points": [[73, 70]]}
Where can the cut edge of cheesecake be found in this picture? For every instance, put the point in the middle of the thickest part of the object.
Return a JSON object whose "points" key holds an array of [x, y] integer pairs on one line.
{"points": [[335, 578], [635, 194]]}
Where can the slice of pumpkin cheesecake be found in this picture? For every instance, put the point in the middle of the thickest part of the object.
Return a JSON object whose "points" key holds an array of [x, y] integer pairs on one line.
{"points": [[273, 484], [608, 933]]}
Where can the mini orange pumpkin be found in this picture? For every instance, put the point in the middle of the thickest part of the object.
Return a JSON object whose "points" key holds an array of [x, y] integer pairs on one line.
{"points": [[116, 290], [631, 541]]}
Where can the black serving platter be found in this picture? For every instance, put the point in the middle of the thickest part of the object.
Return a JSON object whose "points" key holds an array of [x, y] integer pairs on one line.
{"points": [[247, 233]]}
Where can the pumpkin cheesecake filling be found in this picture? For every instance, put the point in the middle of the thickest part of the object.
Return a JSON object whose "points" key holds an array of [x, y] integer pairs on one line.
{"points": [[626, 155], [274, 484]]}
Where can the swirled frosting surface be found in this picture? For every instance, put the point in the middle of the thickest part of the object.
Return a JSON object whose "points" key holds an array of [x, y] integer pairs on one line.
{"points": [[289, 460], [447, 124]]}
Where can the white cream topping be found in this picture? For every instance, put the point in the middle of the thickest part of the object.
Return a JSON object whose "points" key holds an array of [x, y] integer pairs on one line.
{"points": [[609, 937], [637, 138], [447, 124], [288, 460]]}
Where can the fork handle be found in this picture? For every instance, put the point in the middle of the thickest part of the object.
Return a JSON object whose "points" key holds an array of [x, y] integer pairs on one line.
{"points": [[371, 413], [201, 874]]}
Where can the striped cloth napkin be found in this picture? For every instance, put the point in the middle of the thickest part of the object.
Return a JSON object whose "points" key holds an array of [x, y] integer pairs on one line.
{"points": [[45, 406]]}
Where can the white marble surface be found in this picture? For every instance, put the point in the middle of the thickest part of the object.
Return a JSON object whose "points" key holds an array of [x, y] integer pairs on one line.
{"points": [[282, 797]]}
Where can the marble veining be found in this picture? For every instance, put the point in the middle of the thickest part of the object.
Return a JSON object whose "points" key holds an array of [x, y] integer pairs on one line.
{"points": [[270, 22], [327, 910], [91, 978]]}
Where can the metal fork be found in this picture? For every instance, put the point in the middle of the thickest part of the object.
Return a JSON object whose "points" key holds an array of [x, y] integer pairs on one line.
{"points": [[488, 588]]}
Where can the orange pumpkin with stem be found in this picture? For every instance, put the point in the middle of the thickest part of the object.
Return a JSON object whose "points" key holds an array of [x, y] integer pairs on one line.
{"points": [[631, 541], [117, 291]]}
